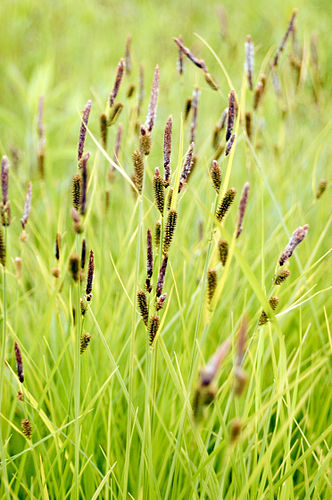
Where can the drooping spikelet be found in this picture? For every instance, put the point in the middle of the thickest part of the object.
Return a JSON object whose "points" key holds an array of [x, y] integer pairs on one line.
{"points": [[215, 173], [194, 106], [118, 78], [198, 62], [259, 91], [103, 129], [230, 145], [74, 266], [89, 282], [225, 203], [2, 249], [211, 284], [161, 276], [149, 261], [249, 62], [152, 111], [231, 114], [296, 238], [26, 428], [167, 150], [285, 38], [158, 190], [138, 170], [84, 185], [153, 328], [19, 362], [282, 276], [242, 208], [169, 230], [187, 166], [27, 206], [321, 188], [76, 191], [81, 140], [143, 306], [274, 301], [84, 342], [223, 251], [157, 233]]}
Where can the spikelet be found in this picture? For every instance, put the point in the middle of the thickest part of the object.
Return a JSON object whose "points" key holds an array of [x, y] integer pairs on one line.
{"points": [[259, 91], [27, 206], [211, 81], [20, 396], [230, 145], [145, 141], [117, 144], [153, 328], [225, 204], [84, 342], [131, 90], [143, 306], [103, 129], [236, 429], [169, 198], [321, 188], [19, 363], [117, 83], [157, 233], [152, 111], [138, 171], [285, 38], [231, 114], [77, 225], [57, 246], [158, 190], [211, 284], [81, 140], [180, 58], [55, 272], [210, 370], [242, 208], [187, 107], [5, 206], [282, 276], [83, 253], [89, 281], [187, 166], [167, 150], [169, 230], [84, 306], [74, 266], [198, 62], [114, 113], [76, 191], [149, 261], [215, 173], [2, 249], [296, 238], [161, 276], [26, 428], [249, 62], [274, 301], [223, 251], [84, 186], [248, 122], [194, 106], [161, 301]]}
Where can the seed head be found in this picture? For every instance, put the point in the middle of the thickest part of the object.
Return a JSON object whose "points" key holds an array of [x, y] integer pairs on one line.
{"points": [[296, 238], [223, 251], [169, 198], [167, 150], [161, 277], [211, 284], [83, 253], [194, 106], [180, 58], [249, 125], [84, 342], [152, 111], [225, 204], [128, 56], [211, 81], [118, 78], [161, 301], [114, 113], [4, 179], [27, 206], [230, 145], [84, 186], [19, 363], [274, 301], [143, 306], [76, 191], [145, 141], [249, 62], [187, 166], [198, 62], [236, 429], [259, 91], [26, 428], [2, 249], [187, 107], [81, 140], [157, 233], [231, 114], [18, 267], [74, 266], [169, 230], [285, 38], [103, 130], [57, 246], [153, 328], [321, 188], [78, 228], [158, 190], [138, 170], [242, 208], [91, 270], [215, 173], [210, 370], [282, 276]]}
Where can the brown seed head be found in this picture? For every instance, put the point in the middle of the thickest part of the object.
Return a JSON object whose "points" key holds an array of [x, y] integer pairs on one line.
{"points": [[215, 173], [143, 306], [76, 191], [2, 249], [91, 270], [282, 276], [26, 428], [157, 233], [211, 284], [161, 277], [81, 140], [153, 328], [321, 188], [138, 170], [158, 190], [84, 342], [225, 203], [223, 251], [117, 83], [242, 208], [169, 230], [74, 266], [19, 363]]}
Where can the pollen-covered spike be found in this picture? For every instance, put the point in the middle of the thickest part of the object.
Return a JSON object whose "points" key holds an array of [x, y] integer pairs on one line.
{"points": [[158, 190], [230, 145], [225, 203], [187, 166], [153, 328], [161, 301], [215, 173], [84, 185], [194, 106], [145, 141], [84, 342], [223, 251], [26, 428], [143, 306], [249, 62], [198, 62], [282, 276], [161, 277], [211, 284], [169, 230], [274, 301], [138, 170], [157, 233], [2, 249], [76, 191]]}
